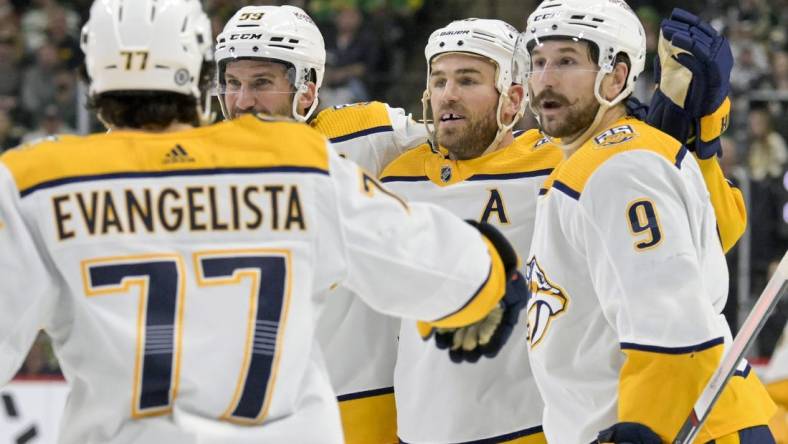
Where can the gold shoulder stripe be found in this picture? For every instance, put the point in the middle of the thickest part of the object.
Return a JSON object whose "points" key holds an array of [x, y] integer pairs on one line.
{"points": [[576, 171], [409, 164], [245, 143], [358, 119]]}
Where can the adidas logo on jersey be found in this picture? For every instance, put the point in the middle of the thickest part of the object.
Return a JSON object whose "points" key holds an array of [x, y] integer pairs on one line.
{"points": [[178, 155]]}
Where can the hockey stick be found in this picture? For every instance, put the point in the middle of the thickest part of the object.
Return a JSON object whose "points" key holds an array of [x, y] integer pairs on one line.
{"points": [[775, 289]]}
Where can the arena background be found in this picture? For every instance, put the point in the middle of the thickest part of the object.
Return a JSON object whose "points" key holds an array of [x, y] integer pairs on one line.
{"points": [[375, 52]]}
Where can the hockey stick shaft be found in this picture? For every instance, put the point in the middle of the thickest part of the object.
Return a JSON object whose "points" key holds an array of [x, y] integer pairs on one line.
{"points": [[775, 289]]}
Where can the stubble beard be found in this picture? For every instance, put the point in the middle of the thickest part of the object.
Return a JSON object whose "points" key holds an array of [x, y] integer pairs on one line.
{"points": [[474, 139], [577, 120]]}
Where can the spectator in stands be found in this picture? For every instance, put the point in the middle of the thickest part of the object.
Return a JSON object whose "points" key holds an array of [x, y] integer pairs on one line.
{"points": [[732, 169], [10, 68], [767, 160], [650, 18], [750, 56], [777, 80], [40, 360], [68, 52], [50, 123], [351, 53], [9, 134], [37, 87], [36, 20]]}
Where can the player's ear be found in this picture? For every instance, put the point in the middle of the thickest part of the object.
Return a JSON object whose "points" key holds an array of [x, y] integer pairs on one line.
{"points": [[615, 82], [515, 97], [308, 96]]}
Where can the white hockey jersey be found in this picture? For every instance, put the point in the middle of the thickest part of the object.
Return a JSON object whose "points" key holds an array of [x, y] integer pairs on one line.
{"points": [[372, 134], [360, 344], [180, 275], [628, 281], [439, 401]]}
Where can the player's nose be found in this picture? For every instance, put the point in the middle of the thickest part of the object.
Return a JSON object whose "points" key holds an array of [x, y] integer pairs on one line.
{"points": [[246, 99]]}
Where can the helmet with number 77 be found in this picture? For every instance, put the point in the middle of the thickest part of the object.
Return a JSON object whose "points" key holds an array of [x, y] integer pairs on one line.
{"points": [[147, 45]]}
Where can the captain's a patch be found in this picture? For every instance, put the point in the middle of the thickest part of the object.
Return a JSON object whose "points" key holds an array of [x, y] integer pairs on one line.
{"points": [[614, 136]]}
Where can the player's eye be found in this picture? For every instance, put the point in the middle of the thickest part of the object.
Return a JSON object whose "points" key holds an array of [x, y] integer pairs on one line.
{"points": [[438, 83], [566, 61], [467, 81], [262, 83]]}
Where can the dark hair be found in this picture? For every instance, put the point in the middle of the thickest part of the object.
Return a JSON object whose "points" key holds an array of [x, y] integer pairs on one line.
{"points": [[149, 110]]}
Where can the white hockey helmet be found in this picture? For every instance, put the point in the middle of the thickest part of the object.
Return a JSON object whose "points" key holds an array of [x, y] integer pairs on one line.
{"points": [[609, 24], [146, 45], [280, 33], [493, 39]]}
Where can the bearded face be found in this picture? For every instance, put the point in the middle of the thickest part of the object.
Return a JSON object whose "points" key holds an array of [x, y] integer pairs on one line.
{"points": [[464, 103], [561, 118], [562, 85]]}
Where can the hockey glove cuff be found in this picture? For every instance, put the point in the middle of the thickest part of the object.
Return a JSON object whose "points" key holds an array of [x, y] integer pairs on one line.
{"points": [[629, 433]]}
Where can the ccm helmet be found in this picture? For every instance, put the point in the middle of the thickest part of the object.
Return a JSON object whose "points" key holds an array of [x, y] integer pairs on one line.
{"points": [[280, 33]]}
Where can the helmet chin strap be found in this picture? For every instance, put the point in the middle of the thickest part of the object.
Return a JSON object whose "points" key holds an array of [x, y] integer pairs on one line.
{"points": [[207, 115], [604, 106], [503, 129], [294, 110], [426, 112]]}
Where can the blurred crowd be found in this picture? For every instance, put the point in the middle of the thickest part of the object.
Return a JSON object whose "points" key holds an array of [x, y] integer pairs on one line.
{"points": [[375, 52]]}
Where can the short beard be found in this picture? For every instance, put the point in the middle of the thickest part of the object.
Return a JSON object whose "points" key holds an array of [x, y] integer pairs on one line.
{"points": [[576, 121], [472, 142]]}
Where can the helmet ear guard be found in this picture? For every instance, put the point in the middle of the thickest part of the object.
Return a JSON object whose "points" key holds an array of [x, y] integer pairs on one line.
{"points": [[283, 34]]}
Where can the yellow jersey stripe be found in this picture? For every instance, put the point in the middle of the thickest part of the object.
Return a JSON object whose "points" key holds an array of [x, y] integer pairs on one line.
{"points": [[488, 295], [728, 203], [369, 417], [243, 144], [643, 377], [779, 392], [597, 150], [155, 174], [341, 123]]}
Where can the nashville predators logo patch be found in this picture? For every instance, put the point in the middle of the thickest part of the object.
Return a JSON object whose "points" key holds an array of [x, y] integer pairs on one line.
{"points": [[614, 136], [445, 173], [546, 302]]}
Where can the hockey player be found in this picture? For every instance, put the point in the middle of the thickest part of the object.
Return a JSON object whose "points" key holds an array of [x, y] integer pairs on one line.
{"points": [[481, 169], [626, 272], [363, 132], [179, 271], [478, 170], [271, 59]]}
